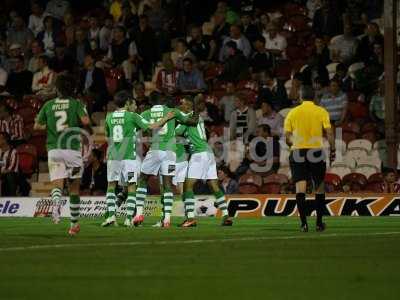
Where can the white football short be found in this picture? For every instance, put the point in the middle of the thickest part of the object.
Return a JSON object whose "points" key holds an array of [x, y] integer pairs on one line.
{"points": [[159, 161], [123, 171], [65, 163], [180, 172], [202, 166]]}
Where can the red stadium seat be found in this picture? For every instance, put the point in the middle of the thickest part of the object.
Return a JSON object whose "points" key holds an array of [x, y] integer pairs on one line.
{"points": [[38, 139], [357, 110], [298, 22], [374, 187], [250, 184], [356, 181], [377, 177], [113, 79], [283, 70], [276, 178], [292, 9], [369, 127], [249, 189], [27, 156], [270, 188], [333, 182], [370, 136], [348, 136], [351, 127]]}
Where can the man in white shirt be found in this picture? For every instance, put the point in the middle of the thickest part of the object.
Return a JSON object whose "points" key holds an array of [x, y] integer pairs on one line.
{"points": [[106, 34], [344, 47], [36, 19], [274, 42], [242, 43], [43, 83]]}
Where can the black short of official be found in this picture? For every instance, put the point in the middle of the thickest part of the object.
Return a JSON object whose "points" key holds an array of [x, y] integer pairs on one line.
{"points": [[308, 164]]}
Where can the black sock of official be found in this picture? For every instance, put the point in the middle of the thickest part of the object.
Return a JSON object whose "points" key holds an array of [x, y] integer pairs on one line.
{"points": [[320, 204], [301, 203]]}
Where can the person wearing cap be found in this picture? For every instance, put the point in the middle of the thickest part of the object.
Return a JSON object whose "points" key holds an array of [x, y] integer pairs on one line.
{"points": [[15, 50], [242, 43], [304, 128]]}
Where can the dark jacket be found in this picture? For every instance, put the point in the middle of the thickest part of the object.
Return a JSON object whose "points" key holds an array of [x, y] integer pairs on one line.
{"points": [[329, 24], [236, 68]]}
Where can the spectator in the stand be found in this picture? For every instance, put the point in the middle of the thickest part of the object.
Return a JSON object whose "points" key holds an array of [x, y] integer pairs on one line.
{"points": [[241, 42], [36, 18], [327, 21], [226, 181], [342, 76], [263, 23], [200, 46], [92, 83], [81, 46], [123, 53], [94, 178], [227, 102], [344, 47], [190, 80], [13, 124], [321, 56], [223, 8], [274, 90], [366, 46], [375, 63], [249, 30], [62, 60], [335, 102], [167, 77], [275, 42], [116, 9], [94, 30], [157, 16], [43, 83], [105, 35], [390, 184], [3, 80], [9, 167], [20, 34], [142, 101], [377, 106], [264, 150], [294, 92], [271, 118], [181, 52], [261, 58], [20, 80], [236, 66], [221, 29], [243, 120], [48, 36], [147, 53], [312, 7], [57, 8], [15, 51], [37, 51]]}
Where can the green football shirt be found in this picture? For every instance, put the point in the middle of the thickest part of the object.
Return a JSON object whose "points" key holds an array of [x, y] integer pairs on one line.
{"points": [[62, 118], [121, 127], [163, 138], [197, 137]]}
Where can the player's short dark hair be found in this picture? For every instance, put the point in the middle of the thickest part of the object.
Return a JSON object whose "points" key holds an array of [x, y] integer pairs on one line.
{"points": [[387, 171], [307, 92], [182, 41], [121, 98], [155, 98], [261, 39], [66, 85], [188, 59], [45, 59], [265, 128]]}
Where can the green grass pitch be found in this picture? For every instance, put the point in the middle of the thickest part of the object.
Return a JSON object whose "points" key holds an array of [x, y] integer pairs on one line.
{"points": [[356, 258]]}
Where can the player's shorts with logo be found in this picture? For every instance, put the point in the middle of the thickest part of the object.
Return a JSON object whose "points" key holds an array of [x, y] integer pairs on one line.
{"points": [[180, 172], [65, 163], [202, 166], [159, 161], [123, 171]]}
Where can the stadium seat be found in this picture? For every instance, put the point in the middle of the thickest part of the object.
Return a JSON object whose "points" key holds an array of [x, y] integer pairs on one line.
{"points": [[270, 188], [371, 160], [333, 182], [345, 161], [38, 139], [285, 171], [377, 177], [373, 187], [276, 178], [27, 155], [284, 157], [114, 78], [341, 171], [355, 155], [356, 181], [250, 184], [283, 70], [360, 144], [357, 110], [366, 170], [354, 68], [352, 127], [369, 127], [348, 136], [370, 136]]}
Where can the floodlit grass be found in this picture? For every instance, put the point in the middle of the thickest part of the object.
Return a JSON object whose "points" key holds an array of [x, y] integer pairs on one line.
{"points": [[356, 258]]}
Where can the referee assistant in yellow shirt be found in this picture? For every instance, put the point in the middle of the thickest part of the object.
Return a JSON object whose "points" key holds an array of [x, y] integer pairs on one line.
{"points": [[304, 129]]}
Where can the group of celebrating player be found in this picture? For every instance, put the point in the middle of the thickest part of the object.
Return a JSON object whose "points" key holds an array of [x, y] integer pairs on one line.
{"points": [[179, 154]]}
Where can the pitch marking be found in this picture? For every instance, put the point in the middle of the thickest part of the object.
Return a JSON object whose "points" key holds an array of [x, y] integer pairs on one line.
{"points": [[290, 237]]}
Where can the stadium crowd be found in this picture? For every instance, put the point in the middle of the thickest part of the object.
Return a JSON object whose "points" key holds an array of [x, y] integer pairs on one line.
{"points": [[247, 59]]}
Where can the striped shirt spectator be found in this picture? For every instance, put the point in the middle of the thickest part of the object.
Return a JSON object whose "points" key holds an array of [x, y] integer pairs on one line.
{"points": [[16, 128], [335, 102], [9, 161]]}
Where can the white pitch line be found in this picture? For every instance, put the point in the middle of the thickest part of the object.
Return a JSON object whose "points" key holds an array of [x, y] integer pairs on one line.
{"points": [[168, 242]]}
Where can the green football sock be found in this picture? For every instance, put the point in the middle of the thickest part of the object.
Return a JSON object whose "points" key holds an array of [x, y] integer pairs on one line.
{"points": [[220, 202], [74, 206], [189, 204], [130, 205], [168, 198], [141, 193], [110, 199], [56, 195]]}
